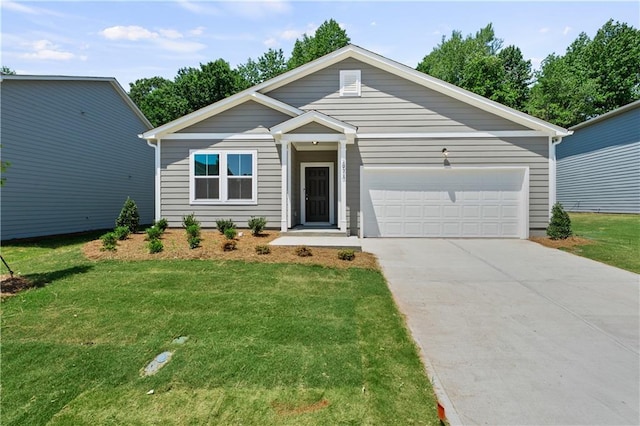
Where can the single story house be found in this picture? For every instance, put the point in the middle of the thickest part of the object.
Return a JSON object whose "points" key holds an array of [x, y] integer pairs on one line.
{"points": [[599, 165], [74, 155], [365, 145]]}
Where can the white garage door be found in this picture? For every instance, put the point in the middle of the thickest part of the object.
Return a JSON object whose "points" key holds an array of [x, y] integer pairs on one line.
{"points": [[425, 202]]}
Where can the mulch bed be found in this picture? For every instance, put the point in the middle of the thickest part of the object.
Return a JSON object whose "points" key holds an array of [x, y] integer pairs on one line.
{"points": [[176, 247], [569, 243]]}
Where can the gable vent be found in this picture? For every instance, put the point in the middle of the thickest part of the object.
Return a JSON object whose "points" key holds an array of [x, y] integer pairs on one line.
{"points": [[349, 82]]}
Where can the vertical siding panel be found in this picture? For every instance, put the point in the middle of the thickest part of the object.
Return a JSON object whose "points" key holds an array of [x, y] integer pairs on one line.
{"points": [[75, 157]]}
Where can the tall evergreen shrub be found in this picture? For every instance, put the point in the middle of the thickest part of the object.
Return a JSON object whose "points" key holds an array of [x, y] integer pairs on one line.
{"points": [[129, 216], [560, 225]]}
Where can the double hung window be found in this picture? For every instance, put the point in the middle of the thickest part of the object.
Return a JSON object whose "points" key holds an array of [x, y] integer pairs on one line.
{"points": [[223, 177]]}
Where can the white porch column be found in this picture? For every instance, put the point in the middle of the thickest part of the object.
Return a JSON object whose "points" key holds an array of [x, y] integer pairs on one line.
{"points": [[284, 163], [342, 186]]}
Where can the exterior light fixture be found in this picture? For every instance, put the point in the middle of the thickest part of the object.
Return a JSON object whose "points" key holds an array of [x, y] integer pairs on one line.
{"points": [[315, 142], [445, 153]]}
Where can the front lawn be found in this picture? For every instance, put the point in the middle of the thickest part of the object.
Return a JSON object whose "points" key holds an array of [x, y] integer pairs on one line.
{"points": [[267, 344], [615, 238]]}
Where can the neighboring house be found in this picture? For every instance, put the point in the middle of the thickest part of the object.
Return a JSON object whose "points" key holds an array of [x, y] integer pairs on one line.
{"points": [[355, 141], [75, 155], [599, 165]]}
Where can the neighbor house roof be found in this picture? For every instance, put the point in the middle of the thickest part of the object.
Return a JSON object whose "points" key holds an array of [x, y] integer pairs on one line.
{"points": [[373, 59], [110, 80], [607, 115]]}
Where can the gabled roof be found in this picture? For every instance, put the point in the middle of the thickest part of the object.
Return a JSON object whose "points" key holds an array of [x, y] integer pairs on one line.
{"points": [[110, 80], [314, 117], [217, 108], [375, 60], [607, 115]]}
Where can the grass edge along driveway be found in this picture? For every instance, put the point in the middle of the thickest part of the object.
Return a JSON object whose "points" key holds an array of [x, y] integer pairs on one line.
{"points": [[268, 344]]}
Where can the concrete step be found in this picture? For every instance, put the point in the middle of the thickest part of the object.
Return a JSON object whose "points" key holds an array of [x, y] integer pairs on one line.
{"points": [[343, 242]]}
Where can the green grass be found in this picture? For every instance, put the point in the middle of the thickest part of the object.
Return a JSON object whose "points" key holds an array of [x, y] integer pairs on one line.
{"points": [[616, 238], [268, 344]]}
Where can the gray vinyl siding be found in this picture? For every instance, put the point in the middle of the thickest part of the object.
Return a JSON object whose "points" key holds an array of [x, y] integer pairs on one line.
{"points": [[249, 117], [598, 168], [75, 157], [483, 152], [388, 103], [313, 128], [174, 175]]}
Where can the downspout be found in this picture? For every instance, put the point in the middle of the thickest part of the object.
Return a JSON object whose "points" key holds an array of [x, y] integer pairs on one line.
{"points": [[553, 141], [156, 148]]}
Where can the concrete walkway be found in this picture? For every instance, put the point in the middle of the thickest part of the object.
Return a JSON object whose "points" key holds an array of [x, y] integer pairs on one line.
{"points": [[316, 241], [516, 333]]}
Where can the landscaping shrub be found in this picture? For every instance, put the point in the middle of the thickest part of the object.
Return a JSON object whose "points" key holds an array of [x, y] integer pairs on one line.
{"points": [[257, 225], [229, 245], [129, 216], [346, 254], [122, 232], [230, 233], [153, 233], [303, 251], [162, 224], [155, 246], [189, 220], [263, 249], [194, 242], [109, 241], [560, 225], [224, 224], [193, 235]]}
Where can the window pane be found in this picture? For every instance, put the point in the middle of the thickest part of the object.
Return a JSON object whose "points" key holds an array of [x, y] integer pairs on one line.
{"points": [[207, 189], [239, 165], [206, 164], [240, 189]]}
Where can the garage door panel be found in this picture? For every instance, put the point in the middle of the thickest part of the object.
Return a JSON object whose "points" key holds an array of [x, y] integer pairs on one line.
{"points": [[443, 203]]}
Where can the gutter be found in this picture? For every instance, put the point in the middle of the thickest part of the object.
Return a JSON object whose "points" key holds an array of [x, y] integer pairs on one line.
{"points": [[156, 148]]}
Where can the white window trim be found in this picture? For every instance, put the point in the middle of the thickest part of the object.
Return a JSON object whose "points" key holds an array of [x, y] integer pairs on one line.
{"points": [[223, 178], [343, 75]]}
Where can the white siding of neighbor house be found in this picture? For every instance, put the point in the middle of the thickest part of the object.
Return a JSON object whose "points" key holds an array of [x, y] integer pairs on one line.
{"points": [[75, 157], [388, 103], [599, 166]]}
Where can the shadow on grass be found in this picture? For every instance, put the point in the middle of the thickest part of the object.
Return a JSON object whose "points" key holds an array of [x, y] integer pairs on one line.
{"points": [[55, 241], [44, 278]]}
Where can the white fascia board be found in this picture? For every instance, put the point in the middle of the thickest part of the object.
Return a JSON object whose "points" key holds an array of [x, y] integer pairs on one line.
{"points": [[314, 117], [310, 137], [403, 71], [456, 135], [217, 108], [218, 136]]}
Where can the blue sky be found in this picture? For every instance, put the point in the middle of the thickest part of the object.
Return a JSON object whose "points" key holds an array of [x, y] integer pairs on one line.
{"points": [[130, 40]]}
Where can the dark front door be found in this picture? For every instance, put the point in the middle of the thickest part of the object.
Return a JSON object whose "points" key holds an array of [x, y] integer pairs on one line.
{"points": [[316, 194]]}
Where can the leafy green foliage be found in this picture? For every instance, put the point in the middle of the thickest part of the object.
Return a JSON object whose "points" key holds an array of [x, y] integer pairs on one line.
{"points": [[560, 225], [269, 65], [346, 254], [129, 216], [592, 78], [230, 233], [303, 251], [194, 241], [263, 249], [3, 168], [122, 232], [224, 224], [327, 38], [162, 224], [257, 225], [153, 233], [109, 241], [7, 71], [155, 246], [477, 63], [189, 220], [193, 230]]}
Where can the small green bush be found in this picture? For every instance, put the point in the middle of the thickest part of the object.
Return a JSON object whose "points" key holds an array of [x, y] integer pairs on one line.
{"points": [[229, 245], [109, 241], [193, 230], [346, 254], [122, 232], [224, 224], [560, 225], [257, 225], [155, 246], [153, 233], [189, 220], [303, 251], [129, 216], [263, 249], [194, 242], [230, 233], [161, 224]]}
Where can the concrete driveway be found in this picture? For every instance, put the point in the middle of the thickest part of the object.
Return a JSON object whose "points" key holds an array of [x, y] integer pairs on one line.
{"points": [[516, 333]]}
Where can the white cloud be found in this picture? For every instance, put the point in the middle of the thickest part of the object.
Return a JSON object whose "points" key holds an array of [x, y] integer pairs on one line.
{"points": [[131, 32], [271, 42], [290, 34], [30, 10], [166, 39], [170, 34], [46, 50], [567, 30], [544, 30], [197, 31], [373, 24]]}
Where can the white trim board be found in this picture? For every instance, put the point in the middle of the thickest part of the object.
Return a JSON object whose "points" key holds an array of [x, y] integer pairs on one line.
{"points": [[303, 213]]}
